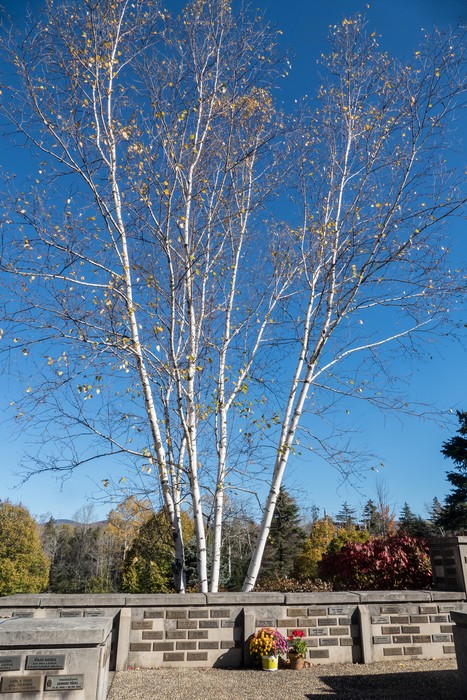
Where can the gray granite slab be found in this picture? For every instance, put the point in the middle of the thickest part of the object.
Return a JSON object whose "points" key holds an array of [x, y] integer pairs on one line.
{"points": [[58, 632]]}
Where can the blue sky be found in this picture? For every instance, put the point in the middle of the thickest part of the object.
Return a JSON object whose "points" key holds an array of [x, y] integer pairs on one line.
{"points": [[414, 470]]}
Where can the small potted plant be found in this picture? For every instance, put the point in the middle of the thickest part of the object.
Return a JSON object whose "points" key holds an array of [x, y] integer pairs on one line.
{"points": [[267, 645], [297, 650]]}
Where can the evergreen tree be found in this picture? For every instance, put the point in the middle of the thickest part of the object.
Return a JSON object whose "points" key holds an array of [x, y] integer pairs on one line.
{"points": [[434, 514], [378, 518], [346, 516], [24, 568], [285, 540], [411, 524], [148, 562], [454, 515], [370, 517]]}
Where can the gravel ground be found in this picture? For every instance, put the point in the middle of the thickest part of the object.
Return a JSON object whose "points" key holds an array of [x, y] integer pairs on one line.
{"points": [[414, 680]]}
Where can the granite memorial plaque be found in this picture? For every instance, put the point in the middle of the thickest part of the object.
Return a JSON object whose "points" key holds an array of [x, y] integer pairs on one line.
{"points": [[39, 662], [65, 682], [71, 613], [21, 684], [10, 663], [23, 614], [93, 613], [328, 642], [336, 611]]}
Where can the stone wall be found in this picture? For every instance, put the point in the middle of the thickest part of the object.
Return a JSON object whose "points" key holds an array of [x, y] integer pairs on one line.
{"points": [[55, 658], [151, 631], [448, 557]]}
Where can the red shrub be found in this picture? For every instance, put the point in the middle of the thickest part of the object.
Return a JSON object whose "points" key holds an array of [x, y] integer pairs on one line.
{"points": [[381, 563]]}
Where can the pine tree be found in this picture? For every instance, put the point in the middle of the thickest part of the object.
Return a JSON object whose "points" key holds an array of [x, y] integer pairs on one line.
{"points": [[285, 539], [346, 516], [147, 567], [454, 515], [411, 524], [370, 517], [434, 513]]}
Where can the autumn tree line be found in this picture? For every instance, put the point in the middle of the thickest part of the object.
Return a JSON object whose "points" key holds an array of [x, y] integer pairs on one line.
{"points": [[133, 550]]}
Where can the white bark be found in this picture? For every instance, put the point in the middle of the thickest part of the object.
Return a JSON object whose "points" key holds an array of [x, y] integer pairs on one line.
{"points": [[174, 154]]}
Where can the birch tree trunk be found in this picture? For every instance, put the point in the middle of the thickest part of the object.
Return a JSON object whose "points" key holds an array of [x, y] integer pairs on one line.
{"points": [[187, 260], [366, 222]]}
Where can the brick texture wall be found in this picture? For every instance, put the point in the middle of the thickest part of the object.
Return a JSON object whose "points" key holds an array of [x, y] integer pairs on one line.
{"points": [[152, 631]]}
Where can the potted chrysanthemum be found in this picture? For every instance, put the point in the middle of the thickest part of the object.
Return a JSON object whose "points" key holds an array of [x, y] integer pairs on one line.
{"points": [[267, 645], [297, 649]]}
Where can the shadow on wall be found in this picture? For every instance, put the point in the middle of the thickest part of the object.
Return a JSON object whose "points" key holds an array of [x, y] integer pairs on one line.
{"points": [[429, 685]]}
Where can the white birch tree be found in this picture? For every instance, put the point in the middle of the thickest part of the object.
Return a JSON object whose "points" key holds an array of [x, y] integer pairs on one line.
{"points": [[374, 189], [162, 128], [149, 282]]}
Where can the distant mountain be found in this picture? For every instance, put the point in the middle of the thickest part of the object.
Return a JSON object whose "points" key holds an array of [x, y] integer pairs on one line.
{"points": [[75, 523]]}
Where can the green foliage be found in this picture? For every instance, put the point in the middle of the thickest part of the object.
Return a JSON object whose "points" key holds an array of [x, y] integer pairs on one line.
{"points": [[453, 518], [344, 535], [378, 519], [413, 525], [147, 567], [297, 645], [285, 540], [82, 560], [370, 518], [382, 563], [434, 514], [346, 516], [24, 567]]}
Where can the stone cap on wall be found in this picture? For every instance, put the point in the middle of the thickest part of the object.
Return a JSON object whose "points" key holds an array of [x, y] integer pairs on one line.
{"points": [[245, 598], [447, 595], [321, 598], [21, 600], [121, 600], [394, 596], [79, 600], [447, 541], [164, 599], [54, 632]]}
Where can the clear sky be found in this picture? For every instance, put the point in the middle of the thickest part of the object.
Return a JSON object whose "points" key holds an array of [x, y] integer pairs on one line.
{"points": [[414, 470]]}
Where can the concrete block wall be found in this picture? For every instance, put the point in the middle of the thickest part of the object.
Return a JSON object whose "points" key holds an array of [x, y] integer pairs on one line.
{"points": [[206, 630], [415, 629], [198, 633], [330, 622], [448, 557], [55, 658]]}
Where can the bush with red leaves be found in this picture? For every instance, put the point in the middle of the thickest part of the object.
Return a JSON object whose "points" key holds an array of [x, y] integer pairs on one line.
{"points": [[382, 563]]}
